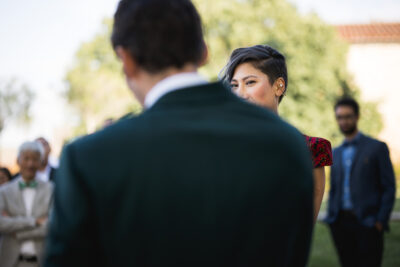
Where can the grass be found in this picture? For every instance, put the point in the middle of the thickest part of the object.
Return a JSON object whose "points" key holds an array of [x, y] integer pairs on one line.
{"points": [[323, 253], [396, 207]]}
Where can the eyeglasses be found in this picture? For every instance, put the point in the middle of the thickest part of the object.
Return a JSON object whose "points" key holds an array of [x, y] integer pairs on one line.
{"points": [[345, 117]]}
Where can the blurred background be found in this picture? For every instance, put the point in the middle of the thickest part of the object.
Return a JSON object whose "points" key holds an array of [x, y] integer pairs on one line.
{"points": [[60, 79]]}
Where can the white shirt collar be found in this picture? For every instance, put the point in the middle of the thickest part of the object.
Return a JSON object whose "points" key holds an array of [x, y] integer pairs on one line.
{"points": [[172, 83]]}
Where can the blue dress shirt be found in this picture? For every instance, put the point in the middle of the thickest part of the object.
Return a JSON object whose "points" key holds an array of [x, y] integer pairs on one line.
{"points": [[347, 161]]}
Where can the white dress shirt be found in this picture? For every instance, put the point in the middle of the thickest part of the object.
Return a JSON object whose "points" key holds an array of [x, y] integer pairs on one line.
{"points": [[28, 195], [172, 83], [45, 174]]}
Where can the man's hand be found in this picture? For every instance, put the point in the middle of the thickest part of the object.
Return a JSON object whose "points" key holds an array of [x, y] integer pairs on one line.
{"points": [[41, 220], [379, 226]]}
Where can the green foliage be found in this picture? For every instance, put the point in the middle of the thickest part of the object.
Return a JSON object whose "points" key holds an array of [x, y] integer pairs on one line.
{"points": [[15, 100], [370, 121], [397, 175], [96, 86], [316, 61]]}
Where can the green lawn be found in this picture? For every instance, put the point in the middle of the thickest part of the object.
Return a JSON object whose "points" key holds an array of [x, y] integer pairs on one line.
{"points": [[396, 207], [323, 253]]}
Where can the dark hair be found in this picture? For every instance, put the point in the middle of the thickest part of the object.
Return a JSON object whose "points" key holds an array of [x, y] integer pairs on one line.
{"points": [[158, 33], [6, 172], [350, 102], [262, 57]]}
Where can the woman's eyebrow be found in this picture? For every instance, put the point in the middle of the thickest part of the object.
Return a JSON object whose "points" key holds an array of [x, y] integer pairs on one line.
{"points": [[245, 78], [249, 76]]}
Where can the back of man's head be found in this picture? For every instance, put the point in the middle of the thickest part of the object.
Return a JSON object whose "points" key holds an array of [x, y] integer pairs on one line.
{"points": [[159, 34]]}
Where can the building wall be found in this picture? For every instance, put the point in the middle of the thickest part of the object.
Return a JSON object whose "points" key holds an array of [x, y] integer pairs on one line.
{"points": [[376, 70]]}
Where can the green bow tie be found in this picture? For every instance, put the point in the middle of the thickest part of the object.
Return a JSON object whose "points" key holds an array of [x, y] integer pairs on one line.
{"points": [[23, 185]]}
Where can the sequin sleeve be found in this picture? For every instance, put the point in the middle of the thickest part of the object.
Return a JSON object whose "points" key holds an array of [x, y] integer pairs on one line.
{"points": [[321, 151]]}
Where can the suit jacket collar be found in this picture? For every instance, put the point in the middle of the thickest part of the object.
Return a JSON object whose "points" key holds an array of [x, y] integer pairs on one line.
{"points": [[17, 193], [361, 138], [360, 149], [38, 197], [195, 95], [354, 141], [178, 81]]}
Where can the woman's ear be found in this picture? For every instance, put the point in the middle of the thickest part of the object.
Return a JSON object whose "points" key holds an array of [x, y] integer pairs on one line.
{"points": [[280, 87]]}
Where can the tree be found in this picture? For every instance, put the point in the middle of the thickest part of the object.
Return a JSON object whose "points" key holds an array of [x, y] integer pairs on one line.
{"points": [[96, 86], [316, 60], [15, 100]]}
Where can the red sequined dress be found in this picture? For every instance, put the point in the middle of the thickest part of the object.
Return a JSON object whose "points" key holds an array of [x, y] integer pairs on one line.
{"points": [[321, 151]]}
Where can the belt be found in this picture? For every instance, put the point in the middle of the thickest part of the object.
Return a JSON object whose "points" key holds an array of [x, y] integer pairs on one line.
{"points": [[348, 214], [28, 258]]}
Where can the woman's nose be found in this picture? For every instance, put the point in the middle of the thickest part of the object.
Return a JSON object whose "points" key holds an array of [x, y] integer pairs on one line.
{"points": [[242, 92]]}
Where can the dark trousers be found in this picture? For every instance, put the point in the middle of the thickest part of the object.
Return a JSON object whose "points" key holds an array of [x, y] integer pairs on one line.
{"points": [[357, 245]]}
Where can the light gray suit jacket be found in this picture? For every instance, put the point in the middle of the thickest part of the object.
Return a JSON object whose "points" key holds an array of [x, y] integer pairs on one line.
{"points": [[16, 227]]}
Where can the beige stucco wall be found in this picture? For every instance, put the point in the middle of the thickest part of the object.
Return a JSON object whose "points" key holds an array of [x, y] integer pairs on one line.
{"points": [[376, 70]]}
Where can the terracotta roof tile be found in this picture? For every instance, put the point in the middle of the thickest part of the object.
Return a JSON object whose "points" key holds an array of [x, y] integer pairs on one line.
{"points": [[370, 33]]}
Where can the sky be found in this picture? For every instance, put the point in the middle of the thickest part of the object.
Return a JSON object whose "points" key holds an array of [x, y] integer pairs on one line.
{"points": [[39, 39], [38, 42], [352, 11]]}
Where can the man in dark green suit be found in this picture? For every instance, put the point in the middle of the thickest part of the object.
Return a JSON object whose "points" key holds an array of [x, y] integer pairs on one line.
{"points": [[200, 178]]}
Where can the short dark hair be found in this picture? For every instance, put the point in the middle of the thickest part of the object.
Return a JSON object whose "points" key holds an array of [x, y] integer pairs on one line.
{"points": [[158, 33], [350, 102], [7, 173], [262, 57]]}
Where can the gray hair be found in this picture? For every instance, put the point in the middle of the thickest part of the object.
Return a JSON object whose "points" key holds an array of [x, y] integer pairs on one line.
{"points": [[31, 146]]}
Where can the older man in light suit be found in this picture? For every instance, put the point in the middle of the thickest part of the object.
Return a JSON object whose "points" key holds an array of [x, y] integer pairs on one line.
{"points": [[24, 205]]}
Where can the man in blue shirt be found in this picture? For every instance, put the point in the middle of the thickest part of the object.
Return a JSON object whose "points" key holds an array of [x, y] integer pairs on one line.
{"points": [[362, 191]]}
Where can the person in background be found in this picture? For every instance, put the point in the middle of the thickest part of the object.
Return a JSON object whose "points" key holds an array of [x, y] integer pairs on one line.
{"points": [[46, 172], [258, 74], [362, 191], [5, 176], [24, 205]]}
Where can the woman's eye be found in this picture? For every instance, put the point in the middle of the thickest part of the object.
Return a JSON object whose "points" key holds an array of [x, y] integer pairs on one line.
{"points": [[234, 86], [250, 82]]}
